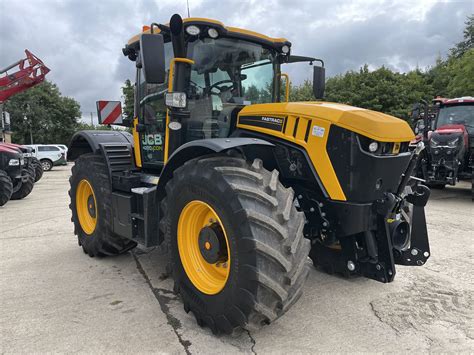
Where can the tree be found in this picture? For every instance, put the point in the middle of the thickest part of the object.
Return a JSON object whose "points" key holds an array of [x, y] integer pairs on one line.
{"points": [[128, 99], [303, 92], [461, 73], [50, 117], [468, 42]]}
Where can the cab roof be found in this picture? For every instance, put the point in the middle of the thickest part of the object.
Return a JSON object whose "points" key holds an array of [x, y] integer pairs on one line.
{"points": [[455, 101], [223, 30]]}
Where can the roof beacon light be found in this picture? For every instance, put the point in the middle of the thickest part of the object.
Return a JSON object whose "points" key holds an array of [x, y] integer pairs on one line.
{"points": [[193, 30]]}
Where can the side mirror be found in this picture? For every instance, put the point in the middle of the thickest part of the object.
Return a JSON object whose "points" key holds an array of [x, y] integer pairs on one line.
{"points": [[152, 58], [415, 111], [319, 81]]}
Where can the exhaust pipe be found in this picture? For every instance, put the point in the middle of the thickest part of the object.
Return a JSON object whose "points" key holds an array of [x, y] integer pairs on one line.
{"points": [[177, 36]]}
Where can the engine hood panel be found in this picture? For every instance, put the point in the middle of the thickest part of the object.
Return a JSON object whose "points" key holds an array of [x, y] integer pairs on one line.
{"points": [[372, 124]]}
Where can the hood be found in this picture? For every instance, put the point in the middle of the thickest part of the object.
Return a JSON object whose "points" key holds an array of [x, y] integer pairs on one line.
{"points": [[372, 124], [19, 147], [453, 130], [10, 151]]}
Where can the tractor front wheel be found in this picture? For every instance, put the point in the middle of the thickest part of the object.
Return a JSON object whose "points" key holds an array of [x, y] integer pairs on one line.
{"points": [[238, 254], [91, 208], [6, 188], [38, 169], [25, 187]]}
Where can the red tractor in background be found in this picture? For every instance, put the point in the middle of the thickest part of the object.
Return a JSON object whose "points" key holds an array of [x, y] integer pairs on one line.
{"points": [[447, 128], [18, 168]]}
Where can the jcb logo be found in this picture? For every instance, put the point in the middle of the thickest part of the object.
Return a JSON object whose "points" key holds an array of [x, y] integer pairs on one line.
{"points": [[152, 139]]}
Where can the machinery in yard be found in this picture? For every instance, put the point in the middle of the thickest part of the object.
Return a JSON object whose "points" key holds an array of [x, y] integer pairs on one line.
{"points": [[240, 185], [449, 135], [16, 179], [27, 73], [32, 164]]}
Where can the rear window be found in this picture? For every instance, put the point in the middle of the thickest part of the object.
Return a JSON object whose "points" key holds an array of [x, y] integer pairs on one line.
{"points": [[48, 148]]}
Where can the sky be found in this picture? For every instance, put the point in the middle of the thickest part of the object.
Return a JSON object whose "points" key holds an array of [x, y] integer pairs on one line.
{"points": [[81, 40]]}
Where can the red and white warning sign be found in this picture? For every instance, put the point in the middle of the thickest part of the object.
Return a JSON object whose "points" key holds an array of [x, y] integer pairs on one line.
{"points": [[109, 112]]}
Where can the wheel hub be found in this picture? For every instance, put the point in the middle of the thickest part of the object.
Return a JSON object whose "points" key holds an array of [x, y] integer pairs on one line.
{"points": [[91, 205], [86, 206], [212, 244], [203, 247]]}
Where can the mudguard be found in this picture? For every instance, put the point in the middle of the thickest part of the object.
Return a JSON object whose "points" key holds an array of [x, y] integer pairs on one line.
{"points": [[84, 142], [202, 147]]}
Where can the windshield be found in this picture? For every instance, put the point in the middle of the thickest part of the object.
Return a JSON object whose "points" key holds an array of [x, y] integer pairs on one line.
{"points": [[227, 74], [459, 114]]}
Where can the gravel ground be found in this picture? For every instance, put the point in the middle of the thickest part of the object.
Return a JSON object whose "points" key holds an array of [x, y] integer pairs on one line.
{"points": [[54, 298]]}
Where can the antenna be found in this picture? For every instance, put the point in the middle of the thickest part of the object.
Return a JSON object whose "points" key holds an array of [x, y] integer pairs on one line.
{"points": [[187, 3]]}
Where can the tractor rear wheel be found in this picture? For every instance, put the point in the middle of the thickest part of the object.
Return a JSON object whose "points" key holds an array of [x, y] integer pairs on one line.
{"points": [[6, 188], [238, 255], [26, 186], [38, 169], [90, 195]]}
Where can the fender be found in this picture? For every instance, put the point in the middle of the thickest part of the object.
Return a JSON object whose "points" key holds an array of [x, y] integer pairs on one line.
{"points": [[203, 147], [84, 142]]}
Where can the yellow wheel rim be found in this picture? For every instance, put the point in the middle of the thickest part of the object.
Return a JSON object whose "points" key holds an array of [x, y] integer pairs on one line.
{"points": [[86, 206], [209, 278]]}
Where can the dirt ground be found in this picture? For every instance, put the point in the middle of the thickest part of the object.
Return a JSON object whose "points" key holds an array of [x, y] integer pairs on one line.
{"points": [[54, 298]]}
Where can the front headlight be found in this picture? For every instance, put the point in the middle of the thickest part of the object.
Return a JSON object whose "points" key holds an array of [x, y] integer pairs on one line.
{"points": [[433, 143], [453, 143], [373, 147], [175, 99], [22, 161], [14, 162]]}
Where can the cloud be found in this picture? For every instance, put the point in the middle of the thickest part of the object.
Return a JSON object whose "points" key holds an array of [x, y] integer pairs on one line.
{"points": [[81, 41]]}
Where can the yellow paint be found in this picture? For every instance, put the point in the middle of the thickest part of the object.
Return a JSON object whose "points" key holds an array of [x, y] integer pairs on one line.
{"points": [[372, 124], [136, 144], [375, 125], [231, 30], [207, 278], [84, 191], [170, 89]]}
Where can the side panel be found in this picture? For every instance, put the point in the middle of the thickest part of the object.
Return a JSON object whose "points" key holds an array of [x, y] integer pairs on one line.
{"points": [[309, 133]]}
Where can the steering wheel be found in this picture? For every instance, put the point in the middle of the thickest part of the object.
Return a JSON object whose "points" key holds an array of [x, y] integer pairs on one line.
{"points": [[226, 88]]}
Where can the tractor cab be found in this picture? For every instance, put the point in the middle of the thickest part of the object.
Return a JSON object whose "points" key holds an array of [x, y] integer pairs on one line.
{"points": [[220, 71]]}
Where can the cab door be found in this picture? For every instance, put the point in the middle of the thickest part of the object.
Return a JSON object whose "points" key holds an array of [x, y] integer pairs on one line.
{"points": [[152, 119]]}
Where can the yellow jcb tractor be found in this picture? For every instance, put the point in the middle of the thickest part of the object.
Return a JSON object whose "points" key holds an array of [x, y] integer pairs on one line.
{"points": [[240, 185]]}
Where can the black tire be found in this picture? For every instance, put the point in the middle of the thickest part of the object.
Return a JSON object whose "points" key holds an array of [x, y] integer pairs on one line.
{"points": [[265, 233], [102, 242], [38, 169], [26, 186], [472, 184], [6, 188], [46, 164], [32, 171]]}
